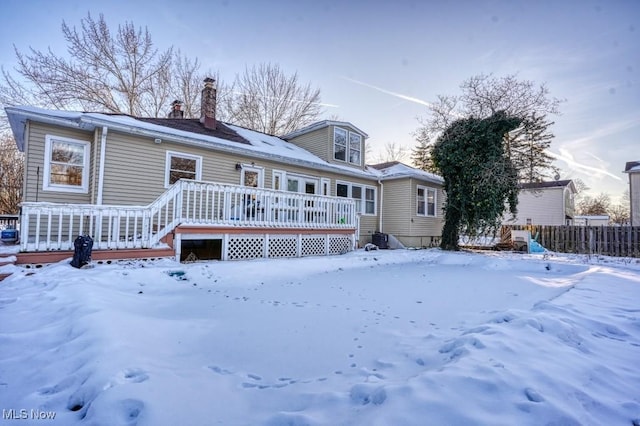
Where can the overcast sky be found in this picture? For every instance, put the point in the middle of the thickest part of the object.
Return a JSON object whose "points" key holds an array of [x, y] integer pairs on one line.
{"points": [[379, 63]]}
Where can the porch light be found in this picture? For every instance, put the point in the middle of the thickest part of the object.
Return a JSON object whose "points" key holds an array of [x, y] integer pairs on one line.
{"points": [[238, 166]]}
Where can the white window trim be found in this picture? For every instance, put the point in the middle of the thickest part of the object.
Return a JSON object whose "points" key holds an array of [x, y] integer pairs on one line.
{"points": [[167, 165], [252, 168], [281, 175], [325, 186], [363, 198], [359, 150], [427, 189], [347, 153], [375, 201], [46, 178]]}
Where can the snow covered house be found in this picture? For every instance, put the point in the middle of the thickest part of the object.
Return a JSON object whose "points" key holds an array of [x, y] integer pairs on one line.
{"points": [[545, 203], [204, 189], [413, 202], [632, 168]]}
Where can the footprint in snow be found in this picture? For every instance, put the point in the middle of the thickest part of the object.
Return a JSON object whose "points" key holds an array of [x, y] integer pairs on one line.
{"points": [[58, 387], [366, 394], [130, 410], [219, 370], [4, 302], [532, 395], [135, 375]]}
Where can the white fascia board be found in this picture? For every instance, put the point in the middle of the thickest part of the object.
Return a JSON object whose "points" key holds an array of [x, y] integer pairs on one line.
{"points": [[320, 125], [18, 121], [413, 176]]}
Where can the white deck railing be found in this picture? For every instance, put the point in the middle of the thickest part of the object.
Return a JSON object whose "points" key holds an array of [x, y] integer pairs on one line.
{"points": [[53, 226]]}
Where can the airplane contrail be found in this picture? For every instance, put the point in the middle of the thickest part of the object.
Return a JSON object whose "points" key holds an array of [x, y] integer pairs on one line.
{"points": [[399, 95], [388, 92], [568, 158]]}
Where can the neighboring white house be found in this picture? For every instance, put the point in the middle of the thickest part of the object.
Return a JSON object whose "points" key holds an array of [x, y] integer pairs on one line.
{"points": [[544, 203], [632, 168], [591, 220]]}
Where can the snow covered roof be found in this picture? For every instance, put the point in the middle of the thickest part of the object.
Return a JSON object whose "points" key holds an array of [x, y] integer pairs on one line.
{"points": [[398, 170], [320, 125], [227, 137], [548, 184], [632, 167]]}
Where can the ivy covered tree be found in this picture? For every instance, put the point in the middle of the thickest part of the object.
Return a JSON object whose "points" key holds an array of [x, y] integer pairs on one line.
{"points": [[484, 95], [479, 177]]}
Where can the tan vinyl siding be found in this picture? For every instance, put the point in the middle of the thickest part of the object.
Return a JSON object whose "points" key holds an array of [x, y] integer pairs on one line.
{"points": [[35, 147], [400, 213], [368, 225], [396, 215], [426, 226], [316, 142], [134, 170], [128, 182]]}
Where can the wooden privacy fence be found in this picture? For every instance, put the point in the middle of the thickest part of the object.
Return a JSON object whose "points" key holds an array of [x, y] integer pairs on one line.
{"points": [[606, 240]]}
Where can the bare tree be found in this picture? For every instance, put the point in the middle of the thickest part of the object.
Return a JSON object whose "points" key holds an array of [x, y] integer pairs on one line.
{"points": [[11, 175], [392, 152], [483, 96], [581, 186], [594, 206], [620, 213], [265, 99], [120, 72]]}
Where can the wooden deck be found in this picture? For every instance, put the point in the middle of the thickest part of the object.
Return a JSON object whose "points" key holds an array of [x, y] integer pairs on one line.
{"points": [[40, 258]]}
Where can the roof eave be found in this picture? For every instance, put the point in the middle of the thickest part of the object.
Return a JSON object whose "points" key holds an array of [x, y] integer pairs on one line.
{"points": [[18, 118], [18, 122], [210, 142], [320, 125], [412, 176]]}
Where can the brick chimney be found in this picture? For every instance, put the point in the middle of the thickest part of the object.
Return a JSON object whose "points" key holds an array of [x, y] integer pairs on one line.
{"points": [[176, 110], [208, 100]]}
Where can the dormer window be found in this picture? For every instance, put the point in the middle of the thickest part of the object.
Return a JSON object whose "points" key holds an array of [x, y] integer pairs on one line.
{"points": [[355, 147], [347, 146]]}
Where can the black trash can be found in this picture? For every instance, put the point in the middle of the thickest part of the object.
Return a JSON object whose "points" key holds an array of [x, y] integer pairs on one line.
{"points": [[381, 240], [82, 251]]}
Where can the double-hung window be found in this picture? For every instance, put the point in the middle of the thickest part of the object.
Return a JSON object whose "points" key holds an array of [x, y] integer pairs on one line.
{"points": [[365, 196], [66, 165], [347, 146], [340, 144], [182, 166], [355, 147], [426, 201]]}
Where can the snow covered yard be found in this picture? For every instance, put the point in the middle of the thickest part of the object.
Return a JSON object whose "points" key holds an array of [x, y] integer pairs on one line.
{"points": [[368, 338]]}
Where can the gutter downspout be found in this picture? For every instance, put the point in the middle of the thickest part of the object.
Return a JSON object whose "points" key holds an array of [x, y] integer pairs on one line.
{"points": [[381, 204], [103, 149]]}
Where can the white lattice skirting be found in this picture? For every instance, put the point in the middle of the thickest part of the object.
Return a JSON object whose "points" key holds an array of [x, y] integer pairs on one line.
{"points": [[255, 246]]}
